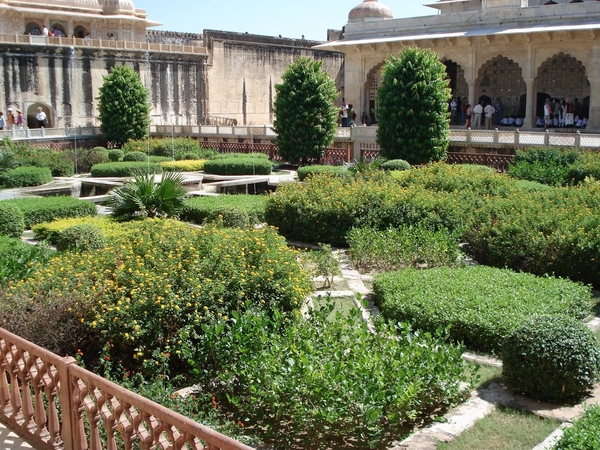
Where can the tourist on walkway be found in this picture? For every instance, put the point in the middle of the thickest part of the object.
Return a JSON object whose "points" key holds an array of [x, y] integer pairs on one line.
{"points": [[19, 119], [45, 31], [2, 121], [489, 115], [10, 119], [41, 118], [477, 112], [547, 113], [344, 110], [569, 113], [463, 110], [498, 107], [468, 116]]}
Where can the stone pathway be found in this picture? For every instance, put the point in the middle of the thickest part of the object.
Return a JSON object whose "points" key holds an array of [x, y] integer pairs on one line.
{"points": [[10, 441]]}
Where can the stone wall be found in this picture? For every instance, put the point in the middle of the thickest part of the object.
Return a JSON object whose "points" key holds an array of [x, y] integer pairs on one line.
{"points": [[244, 69], [174, 37]]}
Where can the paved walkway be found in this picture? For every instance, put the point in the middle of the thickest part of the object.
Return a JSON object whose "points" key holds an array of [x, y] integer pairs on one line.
{"points": [[10, 441]]}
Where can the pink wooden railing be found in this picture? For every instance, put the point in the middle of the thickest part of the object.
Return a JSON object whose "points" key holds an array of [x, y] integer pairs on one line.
{"points": [[55, 404]]}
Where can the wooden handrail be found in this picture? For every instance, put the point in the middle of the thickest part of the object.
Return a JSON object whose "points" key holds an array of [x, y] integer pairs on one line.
{"points": [[81, 406]]}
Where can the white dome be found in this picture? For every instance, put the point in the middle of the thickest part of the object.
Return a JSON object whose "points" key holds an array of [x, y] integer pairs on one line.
{"points": [[118, 6], [370, 10]]}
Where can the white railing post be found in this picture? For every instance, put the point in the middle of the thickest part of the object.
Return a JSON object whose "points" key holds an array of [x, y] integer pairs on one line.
{"points": [[469, 135], [43, 132], [547, 137], [517, 136], [496, 137], [577, 139], [27, 133]]}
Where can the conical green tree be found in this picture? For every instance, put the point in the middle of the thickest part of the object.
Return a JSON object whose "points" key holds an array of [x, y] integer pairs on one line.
{"points": [[124, 107], [412, 107], [305, 115]]}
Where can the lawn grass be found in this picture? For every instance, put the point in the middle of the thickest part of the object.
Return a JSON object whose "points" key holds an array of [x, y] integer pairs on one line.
{"points": [[486, 374], [341, 304], [503, 429]]}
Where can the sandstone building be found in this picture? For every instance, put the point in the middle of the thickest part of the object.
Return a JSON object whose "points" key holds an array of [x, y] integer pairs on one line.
{"points": [[213, 77], [522, 51]]}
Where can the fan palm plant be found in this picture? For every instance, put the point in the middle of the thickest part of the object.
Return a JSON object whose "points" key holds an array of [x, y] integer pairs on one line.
{"points": [[144, 198]]}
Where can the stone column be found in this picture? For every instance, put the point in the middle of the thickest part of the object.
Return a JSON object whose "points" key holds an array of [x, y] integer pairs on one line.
{"points": [[593, 66], [529, 120]]}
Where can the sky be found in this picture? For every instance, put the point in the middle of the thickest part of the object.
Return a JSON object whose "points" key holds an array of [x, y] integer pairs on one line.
{"points": [[291, 19]]}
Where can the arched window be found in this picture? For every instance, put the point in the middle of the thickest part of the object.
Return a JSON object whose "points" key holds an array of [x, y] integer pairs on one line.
{"points": [[80, 31], [58, 30], [34, 29]]}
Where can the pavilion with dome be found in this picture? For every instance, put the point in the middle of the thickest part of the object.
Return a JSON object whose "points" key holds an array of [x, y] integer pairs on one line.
{"points": [[521, 51]]}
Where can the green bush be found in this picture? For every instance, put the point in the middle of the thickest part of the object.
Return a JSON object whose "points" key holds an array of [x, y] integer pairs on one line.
{"points": [[551, 358], [12, 220], [115, 155], [81, 238], [586, 166], [25, 176], [61, 163], [315, 382], [229, 216], [239, 166], [324, 209], [160, 159], [86, 158], [399, 248], [50, 231], [168, 147], [198, 209], [19, 260], [310, 171], [395, 164], [190, 156], [124, 168], [253, 155], [135, 156], [482, 305], [46, 209], [584, 434]]}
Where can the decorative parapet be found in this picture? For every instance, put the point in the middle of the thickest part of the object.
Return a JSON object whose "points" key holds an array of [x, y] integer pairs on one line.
{"points": [[55, 404]]}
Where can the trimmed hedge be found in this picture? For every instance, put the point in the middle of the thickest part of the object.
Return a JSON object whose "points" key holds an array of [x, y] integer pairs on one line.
{"points": [[551, 358], [82, 237], [135, 156], [239, 166], [395, 164], [310, 171], [584, 434], [12, 220], [124, 168], [198, 209], [194, 165], [167, 146], [240, 155], [115, 155], [25, 176], [46, 209], [483, 305]]}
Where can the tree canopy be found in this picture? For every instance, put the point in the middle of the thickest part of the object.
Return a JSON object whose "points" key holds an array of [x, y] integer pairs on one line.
{"points": [[412, 107], [124, 107], [305, 114]]}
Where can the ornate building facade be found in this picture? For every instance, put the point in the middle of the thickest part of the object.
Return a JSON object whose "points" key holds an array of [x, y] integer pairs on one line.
{"points": [[521, 51], [217, 77]]}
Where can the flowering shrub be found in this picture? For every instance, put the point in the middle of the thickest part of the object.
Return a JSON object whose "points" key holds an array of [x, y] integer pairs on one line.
{"points": [[49, 231], [185, 165], [148, 295]]}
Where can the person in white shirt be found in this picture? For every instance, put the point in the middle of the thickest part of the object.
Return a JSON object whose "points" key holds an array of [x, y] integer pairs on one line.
{"points": [[45, 31], [489, 114], [519, 122], [547, 114], [41, 118], [477, 111]]}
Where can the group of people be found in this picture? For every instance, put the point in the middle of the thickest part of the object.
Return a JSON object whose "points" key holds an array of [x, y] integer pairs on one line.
{"points": [[562, 114], [482, 114], [12, 121], [347, 116], [53, 32]]}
